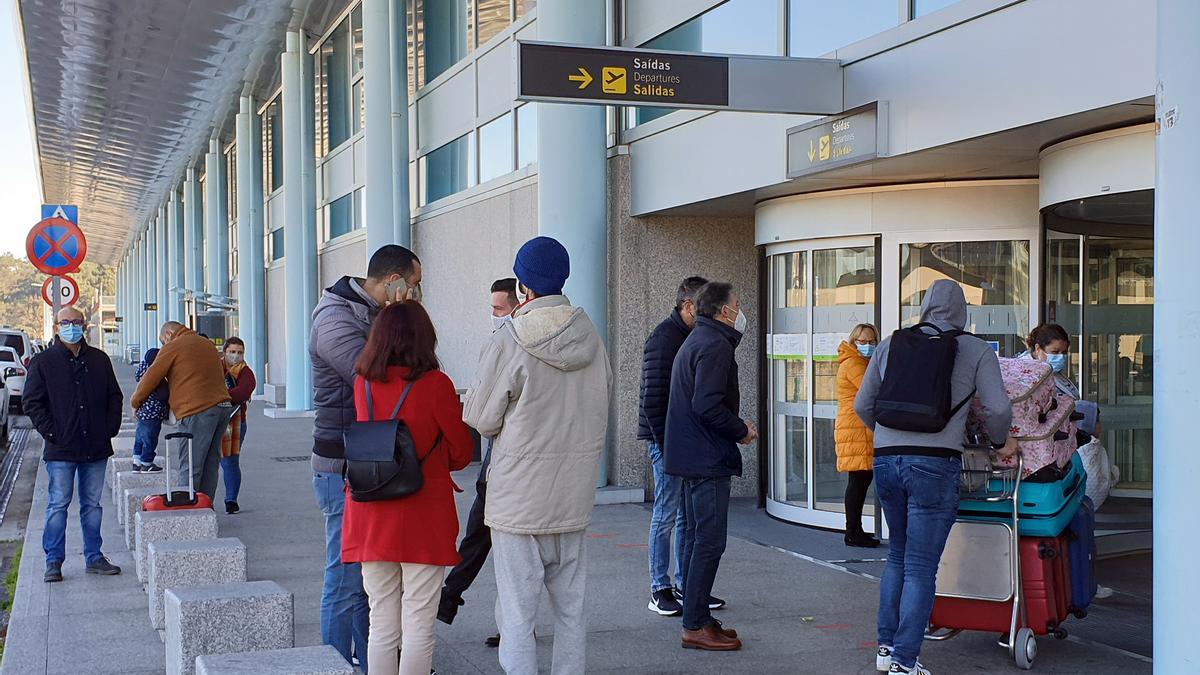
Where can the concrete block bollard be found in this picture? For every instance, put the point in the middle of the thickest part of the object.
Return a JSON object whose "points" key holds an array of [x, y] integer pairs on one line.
{"points": [[221, 619], [199, 562], [130, 504], [322, 660], [123, 446], [130, 479], [115, 466], [168, 526]]}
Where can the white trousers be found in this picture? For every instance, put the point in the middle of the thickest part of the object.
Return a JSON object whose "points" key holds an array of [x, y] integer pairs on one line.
{"points": [[404, 603], [524, 565]]}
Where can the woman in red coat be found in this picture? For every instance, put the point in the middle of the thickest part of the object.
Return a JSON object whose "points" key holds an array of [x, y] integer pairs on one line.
{"points": [[405, 544]]}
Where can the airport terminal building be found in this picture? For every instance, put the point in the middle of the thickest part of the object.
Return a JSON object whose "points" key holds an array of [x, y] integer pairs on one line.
{"points": [[234, 157]]}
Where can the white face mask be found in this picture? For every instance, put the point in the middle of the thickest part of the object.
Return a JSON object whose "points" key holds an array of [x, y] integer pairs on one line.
{"points": [[522, 298], [498, 321], [739, 323], [233, 359]]}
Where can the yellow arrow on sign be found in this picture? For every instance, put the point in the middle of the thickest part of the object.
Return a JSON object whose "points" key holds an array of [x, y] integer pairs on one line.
{"points": [[584, 78], [812, 150]]}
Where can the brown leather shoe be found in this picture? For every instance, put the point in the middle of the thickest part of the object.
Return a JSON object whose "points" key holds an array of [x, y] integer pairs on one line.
{"points": [[727, 632], [711, 638]]}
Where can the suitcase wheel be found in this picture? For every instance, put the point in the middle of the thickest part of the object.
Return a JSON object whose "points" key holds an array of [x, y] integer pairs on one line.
{"points": [[1060, 634], [1025, 649]]}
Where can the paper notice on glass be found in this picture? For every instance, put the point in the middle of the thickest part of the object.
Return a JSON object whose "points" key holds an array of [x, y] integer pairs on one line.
{"points": [[826, 344], [789, 345]]}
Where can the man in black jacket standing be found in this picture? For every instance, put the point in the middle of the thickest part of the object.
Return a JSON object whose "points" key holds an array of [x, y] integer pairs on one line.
{"points": [[73, 399], [657, 357], [702, 433]]}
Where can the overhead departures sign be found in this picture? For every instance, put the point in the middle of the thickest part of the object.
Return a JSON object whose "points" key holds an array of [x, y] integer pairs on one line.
{"points": [[632, 77]]}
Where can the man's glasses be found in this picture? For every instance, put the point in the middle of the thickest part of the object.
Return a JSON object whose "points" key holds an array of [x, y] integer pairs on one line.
{"points": [[71, 322]]}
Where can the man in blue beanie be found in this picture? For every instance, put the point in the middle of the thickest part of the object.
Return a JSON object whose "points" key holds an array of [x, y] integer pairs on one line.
{"points": [[541, 393]]}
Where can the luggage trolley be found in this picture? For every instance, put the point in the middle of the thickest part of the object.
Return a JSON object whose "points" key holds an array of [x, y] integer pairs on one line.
{"points": [[979, 545]]}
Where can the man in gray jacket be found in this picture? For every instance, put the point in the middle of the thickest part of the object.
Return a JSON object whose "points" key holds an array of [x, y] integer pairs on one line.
{"points": [[341, 322], [542, 393], [917, 476]]}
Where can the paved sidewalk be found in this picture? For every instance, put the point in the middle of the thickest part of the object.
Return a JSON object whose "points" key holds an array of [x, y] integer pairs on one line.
{"points": [[796, 616]]}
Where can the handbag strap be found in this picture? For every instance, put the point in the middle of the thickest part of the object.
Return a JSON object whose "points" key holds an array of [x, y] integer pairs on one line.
{"points": [[396, 411]]}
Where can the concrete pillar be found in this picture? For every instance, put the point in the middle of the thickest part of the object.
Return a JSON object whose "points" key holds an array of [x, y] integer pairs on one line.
{"points": [[139, 293], [216, 221], [377, 78], [151, 277], [174, 260], [573, 169], [401, 200], [252, 317], [1176, 315], [121, 303], [193, 235], [163, 256], [300, 231]]}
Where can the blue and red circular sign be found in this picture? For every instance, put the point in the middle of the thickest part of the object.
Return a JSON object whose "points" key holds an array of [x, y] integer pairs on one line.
{"points": [[56, 246]]}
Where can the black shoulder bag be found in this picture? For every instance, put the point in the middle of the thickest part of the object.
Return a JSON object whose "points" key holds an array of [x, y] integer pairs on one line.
{"points": [[381, 457]]}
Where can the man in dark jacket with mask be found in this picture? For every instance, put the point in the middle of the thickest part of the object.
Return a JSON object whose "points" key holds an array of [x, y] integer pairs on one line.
{"points": [[340, 325], [73, 399], [657, 358], [702, 434]]}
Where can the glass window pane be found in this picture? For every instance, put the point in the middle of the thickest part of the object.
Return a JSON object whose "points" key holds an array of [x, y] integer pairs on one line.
{"points": [[525, 6], [274, 141], [789, 349], [446, 169], [360, 110], [526, 135], [416, 46], [491, 18], [340, 216], [231, 187], [923, 7], [356, 28], [443, 24], [276, 244], [320, 105], [335, 64], [496, 148], [817, 27], [994, 275]]}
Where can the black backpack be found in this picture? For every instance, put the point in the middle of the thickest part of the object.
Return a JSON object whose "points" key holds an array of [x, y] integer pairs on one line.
{"points": [[915, 392], [381, 457]]}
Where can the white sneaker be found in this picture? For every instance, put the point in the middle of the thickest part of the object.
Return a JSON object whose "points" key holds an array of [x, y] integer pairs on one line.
{"points": [[883, 659], [1103, 592], [916, 670]]}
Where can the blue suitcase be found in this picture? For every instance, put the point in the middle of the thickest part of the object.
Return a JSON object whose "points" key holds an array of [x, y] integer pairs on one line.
{"points": [[1046, 509], [1081, 558]]}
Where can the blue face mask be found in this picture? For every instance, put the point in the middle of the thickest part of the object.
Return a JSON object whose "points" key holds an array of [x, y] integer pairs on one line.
{"points": [[866, 350], [70, 334], [1057, 361]]}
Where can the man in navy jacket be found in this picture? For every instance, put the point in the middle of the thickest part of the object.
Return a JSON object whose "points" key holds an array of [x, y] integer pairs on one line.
{"points": [[657, 358], [73, 399], [703, 431]]}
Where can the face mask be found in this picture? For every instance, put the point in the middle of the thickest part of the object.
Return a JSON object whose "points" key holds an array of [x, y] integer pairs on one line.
{"points": [[498, 322], [739, 324], [233, 359], [70, 334], [866, 350], [1057, 361], [522, 296]]}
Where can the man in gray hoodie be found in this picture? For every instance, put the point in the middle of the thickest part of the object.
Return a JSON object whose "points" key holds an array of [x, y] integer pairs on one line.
{"points": [[917, 477], [541, 393]]}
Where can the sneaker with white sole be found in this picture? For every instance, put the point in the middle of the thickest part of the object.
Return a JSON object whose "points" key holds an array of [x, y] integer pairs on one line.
{"points": [[917, 669], [663, 603], [883, 658]]}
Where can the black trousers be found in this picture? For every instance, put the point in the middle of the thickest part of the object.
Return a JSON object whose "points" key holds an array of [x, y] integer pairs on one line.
{"points": [[856, 495], [474, 548]]}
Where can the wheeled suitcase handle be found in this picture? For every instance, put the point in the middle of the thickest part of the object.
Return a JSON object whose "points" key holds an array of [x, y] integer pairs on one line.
{"points": [[1045, 414], [170, 498], [177, 434]]}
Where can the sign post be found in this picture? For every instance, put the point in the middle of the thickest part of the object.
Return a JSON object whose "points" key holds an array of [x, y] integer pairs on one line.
{"points": [[562, 73]]}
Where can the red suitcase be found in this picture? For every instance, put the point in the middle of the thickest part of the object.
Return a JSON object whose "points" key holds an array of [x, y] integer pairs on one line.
{"points": [[1046, 588], [178, 499]]}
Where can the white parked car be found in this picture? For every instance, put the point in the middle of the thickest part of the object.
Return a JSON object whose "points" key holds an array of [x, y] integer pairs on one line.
{"points": [[14, 371], [4, 399]]}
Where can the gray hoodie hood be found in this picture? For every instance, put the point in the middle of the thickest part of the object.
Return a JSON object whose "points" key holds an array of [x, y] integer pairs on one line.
{"points": [[554, 332], [945, 306]]}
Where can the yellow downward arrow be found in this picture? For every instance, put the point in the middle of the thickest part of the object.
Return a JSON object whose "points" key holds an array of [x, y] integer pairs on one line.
{"points": [[812, 150], [584, 78]]}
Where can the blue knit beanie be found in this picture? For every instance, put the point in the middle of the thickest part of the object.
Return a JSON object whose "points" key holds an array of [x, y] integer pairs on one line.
{"points": [[543, 265]]}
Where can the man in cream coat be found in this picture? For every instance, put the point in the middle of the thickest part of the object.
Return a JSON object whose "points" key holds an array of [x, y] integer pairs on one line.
{"points": [[542, 392]]}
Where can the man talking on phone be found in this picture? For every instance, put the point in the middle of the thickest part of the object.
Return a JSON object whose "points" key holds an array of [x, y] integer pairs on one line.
{"points": [[341, 321]]}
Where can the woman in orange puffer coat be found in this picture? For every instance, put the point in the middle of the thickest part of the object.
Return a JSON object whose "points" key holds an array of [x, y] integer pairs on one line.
{"points": [[855, 442]]}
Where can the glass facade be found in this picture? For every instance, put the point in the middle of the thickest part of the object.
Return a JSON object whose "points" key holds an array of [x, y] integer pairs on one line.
{"points": [[231, 209], [923, 7], [496, 148], [338, 84], [275, 245], [272, 151], [442, 32], [491, 18], [447, 170], [818, 27], [343, 215], [527, 135]]}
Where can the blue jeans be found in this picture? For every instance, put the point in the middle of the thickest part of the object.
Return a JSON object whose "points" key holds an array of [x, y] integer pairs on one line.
{"points": [[145, 440], [919, 496], [706, 501], [231, 469], [666, 509], [345, 615], [91, 486]]}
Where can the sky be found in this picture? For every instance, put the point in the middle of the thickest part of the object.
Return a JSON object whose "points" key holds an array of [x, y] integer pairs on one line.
{"points": [[19, 191]]}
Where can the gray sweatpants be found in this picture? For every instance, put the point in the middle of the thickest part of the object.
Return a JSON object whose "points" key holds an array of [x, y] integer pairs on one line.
{"points": [[207, 427], [525, 564]]}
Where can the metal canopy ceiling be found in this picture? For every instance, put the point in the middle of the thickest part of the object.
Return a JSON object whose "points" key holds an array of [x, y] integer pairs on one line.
{"points": [[125, 93]]}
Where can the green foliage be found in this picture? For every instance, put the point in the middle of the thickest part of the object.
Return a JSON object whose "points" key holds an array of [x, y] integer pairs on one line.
{"points": [[21, 303], [10, 582]]}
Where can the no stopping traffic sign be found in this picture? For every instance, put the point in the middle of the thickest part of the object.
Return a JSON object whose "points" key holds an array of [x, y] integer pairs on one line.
{"points": [[56, 246], [68, 291]]}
